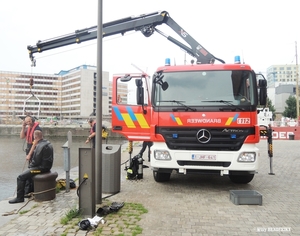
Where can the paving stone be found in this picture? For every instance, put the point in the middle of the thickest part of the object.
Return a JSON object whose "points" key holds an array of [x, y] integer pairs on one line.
{"points": [[187, 205]]}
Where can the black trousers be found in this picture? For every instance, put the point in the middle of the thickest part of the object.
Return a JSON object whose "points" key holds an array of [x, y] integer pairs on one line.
{"points": [[145, 145], [24, 177], [29, 182], [29, 188]]}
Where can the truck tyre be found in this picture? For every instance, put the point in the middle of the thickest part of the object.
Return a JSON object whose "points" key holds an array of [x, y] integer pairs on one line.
{"points": [[241, 179], [161, 177]]}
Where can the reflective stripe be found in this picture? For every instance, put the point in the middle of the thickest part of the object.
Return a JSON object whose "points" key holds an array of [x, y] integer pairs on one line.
{"points": [[131, 119]]}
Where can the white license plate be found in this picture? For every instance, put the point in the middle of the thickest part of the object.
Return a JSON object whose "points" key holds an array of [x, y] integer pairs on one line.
{"points": [[204, 157]]}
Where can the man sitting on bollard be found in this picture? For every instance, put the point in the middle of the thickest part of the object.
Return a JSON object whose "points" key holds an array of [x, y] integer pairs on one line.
{"points": [[40, 162]]}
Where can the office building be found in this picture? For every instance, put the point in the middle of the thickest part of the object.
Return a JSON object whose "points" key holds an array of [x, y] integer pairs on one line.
{"points": [[70, 94], [282, 81], [282, 75]]}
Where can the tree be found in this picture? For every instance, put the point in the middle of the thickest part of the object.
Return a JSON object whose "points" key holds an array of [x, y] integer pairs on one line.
{"points": [[291, 110], [271, 108]]}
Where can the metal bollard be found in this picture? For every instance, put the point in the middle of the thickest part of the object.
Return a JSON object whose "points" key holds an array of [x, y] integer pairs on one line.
{"points": [[67, 165]]}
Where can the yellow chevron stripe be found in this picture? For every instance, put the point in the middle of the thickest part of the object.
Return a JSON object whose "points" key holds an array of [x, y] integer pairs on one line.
{"points": [[178, 120], [228, 122], [128, 121], [142, 122]]}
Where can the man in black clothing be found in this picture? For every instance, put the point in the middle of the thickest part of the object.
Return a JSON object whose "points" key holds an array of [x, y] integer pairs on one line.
{"points": [[40, 162]]}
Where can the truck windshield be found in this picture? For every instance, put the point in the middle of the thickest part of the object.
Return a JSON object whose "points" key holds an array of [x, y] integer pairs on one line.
{"points": [[205, 88]]}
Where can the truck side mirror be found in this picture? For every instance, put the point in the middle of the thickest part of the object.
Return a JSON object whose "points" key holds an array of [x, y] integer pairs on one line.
{"points": [[262, 92], [139, 92], [140, 95], [138, 83]]}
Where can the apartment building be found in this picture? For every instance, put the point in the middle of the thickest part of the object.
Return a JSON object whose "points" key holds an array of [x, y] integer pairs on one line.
{"points": [[282, 83], [70, 94], [282, 74]]}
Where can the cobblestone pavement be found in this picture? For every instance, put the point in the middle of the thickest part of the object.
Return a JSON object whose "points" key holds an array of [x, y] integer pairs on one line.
{"points": [[188, 205]]}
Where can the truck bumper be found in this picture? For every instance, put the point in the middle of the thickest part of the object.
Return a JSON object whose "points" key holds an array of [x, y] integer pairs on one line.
{"points": [[222, 163]]}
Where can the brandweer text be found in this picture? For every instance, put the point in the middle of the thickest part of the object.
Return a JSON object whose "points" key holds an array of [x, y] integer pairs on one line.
{"points": [[194, 121]]}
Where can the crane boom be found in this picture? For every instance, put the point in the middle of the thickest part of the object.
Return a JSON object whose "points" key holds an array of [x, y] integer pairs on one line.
{"points": [[146, 23]]}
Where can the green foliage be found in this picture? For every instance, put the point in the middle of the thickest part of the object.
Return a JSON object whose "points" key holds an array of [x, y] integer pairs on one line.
{"points": [[291, 109], [57, 189], [121, 223], [125, 221], [73, 213], [271, 108], [23, 212], [137, 230]]}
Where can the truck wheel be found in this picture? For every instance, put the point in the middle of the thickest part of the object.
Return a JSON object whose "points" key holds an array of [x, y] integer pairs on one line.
{"points": [[241, 179], [161, 177]]}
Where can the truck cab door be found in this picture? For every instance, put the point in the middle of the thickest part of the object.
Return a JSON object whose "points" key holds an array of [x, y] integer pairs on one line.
{"points": [[131, 108]]}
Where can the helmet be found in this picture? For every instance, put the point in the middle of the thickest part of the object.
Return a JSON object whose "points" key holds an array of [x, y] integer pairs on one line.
{"points": [[84, 224]]}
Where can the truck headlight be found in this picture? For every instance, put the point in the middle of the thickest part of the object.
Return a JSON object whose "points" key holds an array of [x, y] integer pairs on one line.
{"points": [[247, 157], [162, 155]]}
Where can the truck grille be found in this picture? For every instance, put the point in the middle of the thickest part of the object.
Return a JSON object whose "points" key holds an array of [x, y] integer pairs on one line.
{"points": [[204, 163], [222, 139]]}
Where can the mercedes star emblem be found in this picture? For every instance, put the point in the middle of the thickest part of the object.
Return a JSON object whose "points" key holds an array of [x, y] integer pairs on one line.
{"points": [[203, 136]]}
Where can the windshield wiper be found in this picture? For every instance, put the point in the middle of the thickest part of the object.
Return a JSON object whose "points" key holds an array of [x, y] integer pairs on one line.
{"points": [[185, 107], [226, 102]]}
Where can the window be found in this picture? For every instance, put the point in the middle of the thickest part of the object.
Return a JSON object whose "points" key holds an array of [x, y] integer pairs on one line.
{"points": [[205, 88], [127, 90]]}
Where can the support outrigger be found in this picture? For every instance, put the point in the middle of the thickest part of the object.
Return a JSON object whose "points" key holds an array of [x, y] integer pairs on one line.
{"points": [[267, 132]]}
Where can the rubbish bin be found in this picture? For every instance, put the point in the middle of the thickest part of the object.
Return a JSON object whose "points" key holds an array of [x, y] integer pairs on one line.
{"points": [[291, 136], [111, 168]]}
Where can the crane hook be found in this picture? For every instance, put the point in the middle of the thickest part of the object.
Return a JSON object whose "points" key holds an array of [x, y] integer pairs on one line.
{"points": [[31, 82]]}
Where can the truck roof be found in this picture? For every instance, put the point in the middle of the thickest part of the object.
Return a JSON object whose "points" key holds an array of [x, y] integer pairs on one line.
{"points": [[205, 67]]}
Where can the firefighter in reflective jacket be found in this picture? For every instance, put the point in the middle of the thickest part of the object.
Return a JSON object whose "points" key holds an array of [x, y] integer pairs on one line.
{"points": [[28, 128]]}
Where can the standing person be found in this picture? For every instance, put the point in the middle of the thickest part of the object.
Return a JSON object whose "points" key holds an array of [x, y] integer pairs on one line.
{"points": [[92, 136], [28, 132], [41, 162], [145, 145]]}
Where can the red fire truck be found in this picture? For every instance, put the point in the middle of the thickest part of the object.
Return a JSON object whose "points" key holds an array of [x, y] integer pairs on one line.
{"points": [[201, 117]]}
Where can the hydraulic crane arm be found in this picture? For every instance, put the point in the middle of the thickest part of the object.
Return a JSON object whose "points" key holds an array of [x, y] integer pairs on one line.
{"points": [[145, 23]]}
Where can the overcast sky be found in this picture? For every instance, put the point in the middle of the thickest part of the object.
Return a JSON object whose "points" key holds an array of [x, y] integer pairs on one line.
{"points": [[262, 32]]}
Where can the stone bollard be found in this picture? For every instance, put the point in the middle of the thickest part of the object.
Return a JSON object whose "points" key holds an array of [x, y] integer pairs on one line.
{"points": [[45, 186]]}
